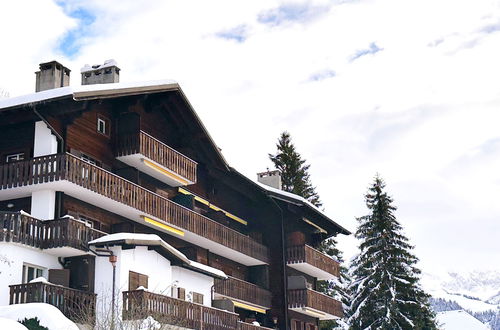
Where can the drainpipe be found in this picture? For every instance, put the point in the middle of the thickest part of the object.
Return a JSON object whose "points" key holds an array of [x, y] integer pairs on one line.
{"points": [[51, 128], [283, 259], [112, 259]]}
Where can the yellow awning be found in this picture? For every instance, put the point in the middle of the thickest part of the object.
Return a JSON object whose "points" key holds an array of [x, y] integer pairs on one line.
{"points": [[248, 307], [213, 207]]}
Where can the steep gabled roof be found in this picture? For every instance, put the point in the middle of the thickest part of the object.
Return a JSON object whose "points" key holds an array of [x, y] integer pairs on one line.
{"points": [[108, 91]]}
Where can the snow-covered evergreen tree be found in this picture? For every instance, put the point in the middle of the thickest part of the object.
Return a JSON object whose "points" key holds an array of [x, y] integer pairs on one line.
{"points": [[295, 179], [386, 293], [294, 171]]}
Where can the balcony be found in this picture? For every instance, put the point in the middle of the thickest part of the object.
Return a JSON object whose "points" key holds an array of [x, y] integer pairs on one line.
{"points": [[78, 306], [94, 185], [245, 292], [156, 159], [139, 304], [312, 262], [314, 304], [65, 237]]}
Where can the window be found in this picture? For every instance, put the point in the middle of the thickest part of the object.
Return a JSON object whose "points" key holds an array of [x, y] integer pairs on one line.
{"points": [[181, 293], [102, 125], [14, 157], [31, 272], [197, 298]]}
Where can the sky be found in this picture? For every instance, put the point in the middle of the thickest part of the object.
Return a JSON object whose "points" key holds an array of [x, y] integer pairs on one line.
{"points": [[406, 89]]}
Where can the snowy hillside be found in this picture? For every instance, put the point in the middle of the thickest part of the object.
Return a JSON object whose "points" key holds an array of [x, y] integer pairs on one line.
{"points": [[459, 320], [474, 291], [476, 294]]}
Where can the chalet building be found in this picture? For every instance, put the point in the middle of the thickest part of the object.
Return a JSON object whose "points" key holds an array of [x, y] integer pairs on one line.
{"points": [[115, 203]]}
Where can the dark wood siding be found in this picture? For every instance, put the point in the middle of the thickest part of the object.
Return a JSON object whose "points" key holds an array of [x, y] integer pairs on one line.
{"points": [[82, 135]]}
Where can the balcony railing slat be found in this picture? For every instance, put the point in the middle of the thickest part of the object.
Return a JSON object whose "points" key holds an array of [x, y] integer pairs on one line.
{"points": [[20, 228], [94, 178], [157, 151], [309, 255], [299, 298], [138, 304], [242, 290], [75, 304]]}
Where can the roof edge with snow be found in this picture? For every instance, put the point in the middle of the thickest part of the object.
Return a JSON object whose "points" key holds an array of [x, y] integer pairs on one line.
{"points": [[153, 240]]}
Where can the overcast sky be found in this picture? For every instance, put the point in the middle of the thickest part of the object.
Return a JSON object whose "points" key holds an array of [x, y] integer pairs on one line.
{"points": [[408, 89]]}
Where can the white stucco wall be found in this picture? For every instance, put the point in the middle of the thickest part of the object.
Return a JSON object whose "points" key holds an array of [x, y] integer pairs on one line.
{"points": [[12, 258], [43, 204], [161, 276], [45, 141], [193, 281]]}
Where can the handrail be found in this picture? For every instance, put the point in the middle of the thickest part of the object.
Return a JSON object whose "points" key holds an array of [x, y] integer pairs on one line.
{"points": [[309, 255], [150, 147], [64, 232], [77, 305], [299, 298], [235, 288], [59, 167], [138, 304]]}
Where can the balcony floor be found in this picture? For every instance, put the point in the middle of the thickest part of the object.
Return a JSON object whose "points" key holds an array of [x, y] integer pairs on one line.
{"points": [[128, 212], [311, 270]]}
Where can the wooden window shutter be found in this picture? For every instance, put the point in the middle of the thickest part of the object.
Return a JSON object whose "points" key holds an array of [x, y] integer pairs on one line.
{"points": [[136, 280], [59, 277], [181, 293], [197, 298], [143, 280]]}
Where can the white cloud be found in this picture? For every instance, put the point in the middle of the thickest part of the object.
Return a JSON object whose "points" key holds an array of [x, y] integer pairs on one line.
{"points": [[421, 111]]}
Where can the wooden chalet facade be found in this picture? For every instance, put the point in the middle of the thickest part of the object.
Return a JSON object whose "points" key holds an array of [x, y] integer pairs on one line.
{"points": [[77, 164]]}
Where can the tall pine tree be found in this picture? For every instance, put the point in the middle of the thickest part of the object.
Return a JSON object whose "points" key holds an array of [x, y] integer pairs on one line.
{"points": [[385, 282], [295, 179], [294, 170]]}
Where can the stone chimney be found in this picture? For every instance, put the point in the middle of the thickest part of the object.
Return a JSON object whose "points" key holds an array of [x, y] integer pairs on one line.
{"points": [[51, 75], [107, 73], [270, 178]]}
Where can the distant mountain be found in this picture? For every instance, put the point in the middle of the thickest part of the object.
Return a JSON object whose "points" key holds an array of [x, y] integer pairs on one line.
{"points": [[476, 294]]}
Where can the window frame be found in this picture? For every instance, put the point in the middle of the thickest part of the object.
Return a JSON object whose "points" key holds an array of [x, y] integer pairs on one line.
{"points": [[39, 271], [105, 124]]}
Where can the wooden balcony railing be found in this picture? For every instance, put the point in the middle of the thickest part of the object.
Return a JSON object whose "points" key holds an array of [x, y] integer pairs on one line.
{"points": [[313, 257], [139, 304], [144, 144], [299, 298], [66, 232], [248, 326], [68, 167], [241, 290], [77, 305]]}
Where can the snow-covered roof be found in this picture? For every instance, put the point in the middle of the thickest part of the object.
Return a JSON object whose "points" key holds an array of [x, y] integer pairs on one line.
{"points": [[455, 320], [298, 200], [155, 240], [84, 92]]}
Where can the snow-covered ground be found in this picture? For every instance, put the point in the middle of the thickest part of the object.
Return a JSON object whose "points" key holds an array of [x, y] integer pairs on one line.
{"points": [[459, 320], [9, 324], [49, 316]]}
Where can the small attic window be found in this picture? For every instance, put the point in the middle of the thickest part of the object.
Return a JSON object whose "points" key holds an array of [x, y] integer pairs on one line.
{"points": [[103, 125], [107, 71], [87, 74], [98, 72]]}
